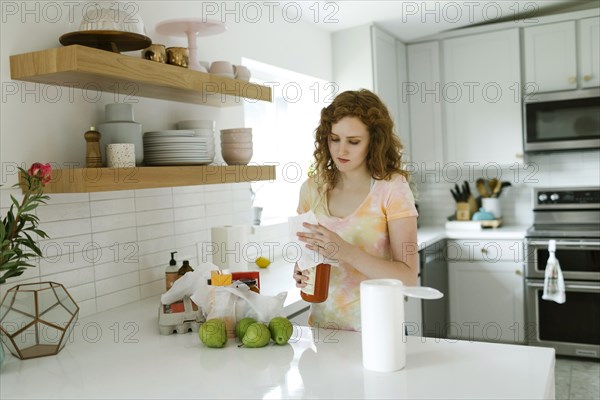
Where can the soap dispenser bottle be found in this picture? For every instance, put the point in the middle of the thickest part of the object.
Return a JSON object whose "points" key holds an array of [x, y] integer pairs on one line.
{"points": [[172, 272], [185, 268]]}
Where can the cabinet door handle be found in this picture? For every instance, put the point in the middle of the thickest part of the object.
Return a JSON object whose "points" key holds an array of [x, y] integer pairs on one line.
{"points": [[572, 80], [587, 78], [518, 272], [484, 251]]}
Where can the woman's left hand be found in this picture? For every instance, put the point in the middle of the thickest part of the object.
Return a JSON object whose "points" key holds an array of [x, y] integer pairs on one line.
{"points": [[324, 241]]}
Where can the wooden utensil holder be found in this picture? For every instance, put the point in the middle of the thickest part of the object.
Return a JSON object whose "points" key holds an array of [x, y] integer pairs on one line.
{"points": [[463, 211]]}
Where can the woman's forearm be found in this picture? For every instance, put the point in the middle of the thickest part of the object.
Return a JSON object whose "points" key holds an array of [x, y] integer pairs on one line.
{"points": [[376, 268]]}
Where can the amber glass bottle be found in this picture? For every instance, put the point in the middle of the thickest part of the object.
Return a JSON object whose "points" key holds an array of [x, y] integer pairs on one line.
{"points": [[317, 286]]}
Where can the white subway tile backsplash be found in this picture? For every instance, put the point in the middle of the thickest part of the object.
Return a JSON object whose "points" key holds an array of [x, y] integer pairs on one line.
{"points": [[152, 289], [5, 193], [152, 274], [117, 283], [165, 244], [110, 222], [189, 225], [87, 308], [218, 220], [156, 259], [111, 238], [219, 196], [73, 277], [226, 207], [83, 292], [188, 199], [193, 212], [61, 212], [154, 217], [120, 267], [74, 259], [117, 299], [191, 239], [66, 228], [153, 192], [120, 194], [63, 198], [187, 189], [155, 231], [153, 203], [113, 206]]}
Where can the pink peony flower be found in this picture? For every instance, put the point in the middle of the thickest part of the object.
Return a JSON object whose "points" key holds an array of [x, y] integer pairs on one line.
{"points": [[41, 171]]}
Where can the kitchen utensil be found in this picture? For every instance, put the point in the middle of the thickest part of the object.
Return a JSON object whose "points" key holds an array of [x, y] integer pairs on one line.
{"points": [[454, 195], [482, 188], [492, 184], [501, 187]]}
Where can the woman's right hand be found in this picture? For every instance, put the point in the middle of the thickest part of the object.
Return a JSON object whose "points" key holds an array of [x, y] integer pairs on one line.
{"points": [[299, 277]]}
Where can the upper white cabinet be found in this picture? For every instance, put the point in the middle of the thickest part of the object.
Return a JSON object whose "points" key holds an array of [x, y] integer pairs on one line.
{"points": [[562, 56], [367, 57], [422, 92], [481, 99], [589, 52], [550, 57]]}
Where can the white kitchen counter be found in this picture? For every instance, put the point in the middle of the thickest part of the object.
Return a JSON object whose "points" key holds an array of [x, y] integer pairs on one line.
{"points": [[120, 354]]}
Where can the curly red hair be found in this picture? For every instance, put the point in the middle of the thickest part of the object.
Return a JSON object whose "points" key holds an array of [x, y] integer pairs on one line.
{"points": [[384, 157]]}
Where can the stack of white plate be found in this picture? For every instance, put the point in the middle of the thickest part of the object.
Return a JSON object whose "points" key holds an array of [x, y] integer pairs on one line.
{"points": [[178, 147]]}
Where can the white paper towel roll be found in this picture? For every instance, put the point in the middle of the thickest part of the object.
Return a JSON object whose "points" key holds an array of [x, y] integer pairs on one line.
{"points": [[382, 320], [229, 247]]}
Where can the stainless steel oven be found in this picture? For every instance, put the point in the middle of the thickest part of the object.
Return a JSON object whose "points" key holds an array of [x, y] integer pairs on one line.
{"points": [[562, 121], [571, 216]]}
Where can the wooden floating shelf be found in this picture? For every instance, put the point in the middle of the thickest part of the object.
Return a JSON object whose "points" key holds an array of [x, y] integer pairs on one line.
{"points": [[85, 180], [92, 69]]}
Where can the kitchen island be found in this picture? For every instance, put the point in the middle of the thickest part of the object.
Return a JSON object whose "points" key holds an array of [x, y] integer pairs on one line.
{"points": [[120, 354]]}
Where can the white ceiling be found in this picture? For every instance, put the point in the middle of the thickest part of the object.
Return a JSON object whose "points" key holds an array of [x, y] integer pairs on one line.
{"points": [[410, 20]]}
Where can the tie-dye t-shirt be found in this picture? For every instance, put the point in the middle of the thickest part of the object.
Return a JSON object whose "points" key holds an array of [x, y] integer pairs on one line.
{"points": [[366, 228]]}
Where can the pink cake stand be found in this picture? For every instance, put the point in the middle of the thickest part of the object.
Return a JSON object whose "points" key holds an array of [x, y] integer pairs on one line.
{"points": [[192, 28]]}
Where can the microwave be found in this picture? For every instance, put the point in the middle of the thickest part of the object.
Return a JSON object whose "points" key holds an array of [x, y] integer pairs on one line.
{"points": [[562, 121]]}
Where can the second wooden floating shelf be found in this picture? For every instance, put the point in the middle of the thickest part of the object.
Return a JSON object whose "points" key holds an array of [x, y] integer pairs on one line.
{"points": [[85, 180], [92, 69]]}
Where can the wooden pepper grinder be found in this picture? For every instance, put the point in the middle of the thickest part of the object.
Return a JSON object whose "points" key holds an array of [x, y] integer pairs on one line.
{"points": [[93, 158]]}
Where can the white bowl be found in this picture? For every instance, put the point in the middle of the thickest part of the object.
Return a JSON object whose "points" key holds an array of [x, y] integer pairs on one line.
{"points": [[236, 137], [243, 145], [196, 124], [237, 156], [109, 19], [235, 130]]}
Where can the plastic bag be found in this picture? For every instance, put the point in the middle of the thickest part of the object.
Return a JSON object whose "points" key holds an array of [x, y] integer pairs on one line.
{"points": [[237, 301]]}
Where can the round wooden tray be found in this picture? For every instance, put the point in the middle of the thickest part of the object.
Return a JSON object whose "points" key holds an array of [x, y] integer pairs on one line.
{"points": [[115, 41]]}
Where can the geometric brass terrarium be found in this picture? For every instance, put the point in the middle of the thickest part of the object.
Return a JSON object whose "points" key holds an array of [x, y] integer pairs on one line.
{"points": [[36, 319]]}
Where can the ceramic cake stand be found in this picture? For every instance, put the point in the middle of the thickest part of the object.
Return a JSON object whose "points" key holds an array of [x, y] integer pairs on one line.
{"points": [[192, 28]]}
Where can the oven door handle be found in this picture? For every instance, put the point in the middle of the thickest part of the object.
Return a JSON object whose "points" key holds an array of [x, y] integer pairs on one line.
{"points": [[563, 243], [567, 286]]}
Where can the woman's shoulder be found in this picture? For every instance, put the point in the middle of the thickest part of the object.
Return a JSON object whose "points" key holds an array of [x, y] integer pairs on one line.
{"points": [[396, 180]]}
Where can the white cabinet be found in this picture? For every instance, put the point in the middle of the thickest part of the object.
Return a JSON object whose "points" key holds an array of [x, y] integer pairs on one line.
{"points": [[550, 57], [486, 290], [481, 99], [562, 56], [368, 57], [589, 52], [422, 92]]}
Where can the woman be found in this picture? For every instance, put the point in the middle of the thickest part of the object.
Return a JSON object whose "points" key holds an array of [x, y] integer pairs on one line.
{"points": [[361, 197]]}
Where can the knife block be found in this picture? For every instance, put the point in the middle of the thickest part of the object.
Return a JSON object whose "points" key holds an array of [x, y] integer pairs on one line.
{"points": [[463, 211]]}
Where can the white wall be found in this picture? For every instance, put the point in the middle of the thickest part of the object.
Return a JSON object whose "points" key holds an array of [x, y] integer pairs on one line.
{"points": [[135, 230]]}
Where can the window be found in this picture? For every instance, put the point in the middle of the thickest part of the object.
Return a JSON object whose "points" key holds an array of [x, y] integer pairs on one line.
{"points": [[283, 135]]}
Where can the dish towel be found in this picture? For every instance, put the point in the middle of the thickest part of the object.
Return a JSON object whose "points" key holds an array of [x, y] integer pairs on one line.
{"points": [[554, 283]]}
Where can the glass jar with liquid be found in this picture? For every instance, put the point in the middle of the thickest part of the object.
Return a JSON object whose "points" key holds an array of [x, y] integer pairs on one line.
{"points": [[317, 285]]}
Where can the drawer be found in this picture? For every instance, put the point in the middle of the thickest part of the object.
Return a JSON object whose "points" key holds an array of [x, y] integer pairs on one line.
{"points": [[484, 250]]}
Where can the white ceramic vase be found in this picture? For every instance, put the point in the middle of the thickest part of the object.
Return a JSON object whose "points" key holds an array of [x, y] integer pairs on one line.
{"points": [[121, 128]]}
